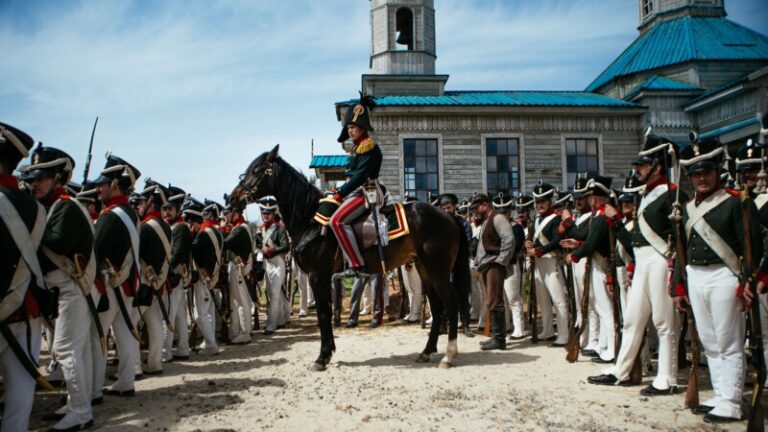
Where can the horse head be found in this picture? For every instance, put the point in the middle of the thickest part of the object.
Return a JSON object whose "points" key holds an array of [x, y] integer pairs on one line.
{"points": [[256, 181]]}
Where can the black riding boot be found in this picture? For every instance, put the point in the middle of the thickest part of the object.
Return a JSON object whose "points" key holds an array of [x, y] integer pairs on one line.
{"points": [[498, 339]]}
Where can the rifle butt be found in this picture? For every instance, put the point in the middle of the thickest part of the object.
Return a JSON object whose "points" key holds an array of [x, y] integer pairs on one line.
{"points": [[636, 373], [42, 382], [487, 328], [692, 392], [572, 355]]}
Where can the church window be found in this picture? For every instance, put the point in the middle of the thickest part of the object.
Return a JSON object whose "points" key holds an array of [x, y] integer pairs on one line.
{"points": [[420, 164], [647, 7], [502, 163], [404, 29], [581, 155]]}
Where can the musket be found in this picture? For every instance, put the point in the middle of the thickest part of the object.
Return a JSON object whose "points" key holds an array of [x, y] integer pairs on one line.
{"points": [[692, 391], [532, 306], [90, 153], [21, 355], [614, 282], [152, 276], [573, 338], [404, 300], [756, 417]]}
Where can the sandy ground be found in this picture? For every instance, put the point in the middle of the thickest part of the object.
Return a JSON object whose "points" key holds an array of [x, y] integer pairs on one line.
{"points": [[373, 384]]}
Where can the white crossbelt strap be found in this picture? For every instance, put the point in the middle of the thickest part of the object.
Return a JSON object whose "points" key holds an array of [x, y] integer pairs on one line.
{"points": [[85, 279], [659, 244], [133, 231], [27, 244], [214, 239], [161, 277], [761, 200], [250, 236], [540, 225], [583, 218], [708, 234]]}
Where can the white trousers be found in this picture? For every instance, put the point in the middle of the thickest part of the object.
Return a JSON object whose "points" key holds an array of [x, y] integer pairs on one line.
{"points": [[302, 279], [275, 277], [205, 314], [550, 291], [604, 308], [177, 313], [513, 297], [721, 327], [72, 347], [412, 282], [648, 298], [240, 319], [156, 329], [127, 345], [476, 296], [19, 386]]}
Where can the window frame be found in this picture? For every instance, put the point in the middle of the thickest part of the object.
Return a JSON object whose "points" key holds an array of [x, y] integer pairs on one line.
{"points": [[564, 153], [520, 155], [401, 156]]}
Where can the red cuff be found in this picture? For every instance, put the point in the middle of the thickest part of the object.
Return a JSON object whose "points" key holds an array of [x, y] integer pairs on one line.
{"points": [[338, 197], [610, 222], [564, 225], [575, 259], [268, 254], [680, 290], [740, 291], [631, 267], [762, 277], [538, 252]]}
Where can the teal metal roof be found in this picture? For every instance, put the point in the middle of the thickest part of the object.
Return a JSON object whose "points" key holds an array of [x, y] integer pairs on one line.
{"points": [[686, 39], [657, 83], [329, 161], [503, 98], [730, 128]]}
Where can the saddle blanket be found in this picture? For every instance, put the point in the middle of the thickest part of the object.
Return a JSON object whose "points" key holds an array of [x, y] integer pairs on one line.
{"points": [[395, 214]]}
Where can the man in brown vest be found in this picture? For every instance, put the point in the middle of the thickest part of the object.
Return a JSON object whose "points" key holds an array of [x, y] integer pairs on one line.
{"points": [[494, 252]]}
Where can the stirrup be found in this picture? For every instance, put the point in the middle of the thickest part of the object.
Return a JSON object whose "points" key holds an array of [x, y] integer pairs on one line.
{"points": [[348, 273]]}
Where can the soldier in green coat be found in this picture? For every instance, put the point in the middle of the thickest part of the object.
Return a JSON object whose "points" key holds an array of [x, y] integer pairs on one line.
{"points": [[239, 248], [67, 261], [715, 249], [179, 275]]}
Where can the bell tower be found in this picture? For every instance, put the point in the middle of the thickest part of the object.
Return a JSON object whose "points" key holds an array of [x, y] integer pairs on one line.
{"points": [[652, 12], [403, 49]]}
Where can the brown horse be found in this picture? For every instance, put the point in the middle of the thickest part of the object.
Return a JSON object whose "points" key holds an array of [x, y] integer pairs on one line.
{"points": [[433, 241]]}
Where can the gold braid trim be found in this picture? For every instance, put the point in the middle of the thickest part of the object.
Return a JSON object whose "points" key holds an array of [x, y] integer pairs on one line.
{"points": [[365, 146]]}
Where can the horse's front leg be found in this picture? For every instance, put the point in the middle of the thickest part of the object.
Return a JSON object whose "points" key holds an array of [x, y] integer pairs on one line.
{"points": [[321, 286], [436, 307], [452, 311]]}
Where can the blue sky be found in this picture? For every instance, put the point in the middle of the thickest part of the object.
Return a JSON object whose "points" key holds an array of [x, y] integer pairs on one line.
{"points": [[191, 91]]}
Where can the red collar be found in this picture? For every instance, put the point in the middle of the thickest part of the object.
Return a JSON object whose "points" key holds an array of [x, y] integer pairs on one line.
{"points": [[599, 209], [179, 220], [9, 181], [207, 224], [361, 139], [240, 220], [267, 225], [547, 213], [663, 180], [702, 197], [59, 193], [114, 202], [152, 215]]}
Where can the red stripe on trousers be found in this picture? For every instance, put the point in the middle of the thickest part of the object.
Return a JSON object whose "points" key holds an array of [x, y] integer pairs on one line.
{"points": [[337, 224]]}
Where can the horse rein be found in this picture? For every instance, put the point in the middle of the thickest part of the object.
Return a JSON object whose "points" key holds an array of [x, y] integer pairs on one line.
{"points": [[249, 190]]}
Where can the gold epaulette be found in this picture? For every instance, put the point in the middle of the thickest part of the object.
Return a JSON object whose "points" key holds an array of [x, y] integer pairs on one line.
{"points": [[365, 146]]}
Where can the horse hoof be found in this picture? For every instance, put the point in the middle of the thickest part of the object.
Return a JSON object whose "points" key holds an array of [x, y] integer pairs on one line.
{"points": [[445, 365], [317, 367], [422, 358]]}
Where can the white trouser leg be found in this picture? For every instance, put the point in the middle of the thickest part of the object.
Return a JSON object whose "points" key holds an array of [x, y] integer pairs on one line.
{"points": [[515, 301], [19, 386], [368, 303], [71, 345], [578, 290], [275, 276], [153, 319], [721, 327], [552, 288], [235, 321], [127, 345], [100, 358], [303, 280], [412, 283], [177, 314], [624, 286], [205, 314], [240, 303], [604, 308]]}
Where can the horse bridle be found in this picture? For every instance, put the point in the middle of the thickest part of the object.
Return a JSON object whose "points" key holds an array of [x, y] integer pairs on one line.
{"points": [[249, 190]]}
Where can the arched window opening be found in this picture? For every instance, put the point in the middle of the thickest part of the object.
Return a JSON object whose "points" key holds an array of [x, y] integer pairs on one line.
{"points": [[404, 29]]}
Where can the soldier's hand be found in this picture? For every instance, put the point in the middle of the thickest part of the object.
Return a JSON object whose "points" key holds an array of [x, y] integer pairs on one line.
{"points": [[569, 259], [609, 287], [528, 244], [746, 297], [566, 214], [531, 252], [682, 303], [569, 243], [761, 287], [610, 211]]}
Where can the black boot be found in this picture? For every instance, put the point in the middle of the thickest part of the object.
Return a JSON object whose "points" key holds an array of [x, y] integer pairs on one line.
{"points": [[498, 340]]}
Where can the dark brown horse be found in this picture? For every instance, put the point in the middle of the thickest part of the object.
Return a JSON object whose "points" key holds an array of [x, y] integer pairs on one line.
{"points": [[433, 241]]}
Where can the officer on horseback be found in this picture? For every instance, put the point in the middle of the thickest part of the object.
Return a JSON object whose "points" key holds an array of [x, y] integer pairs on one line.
{"points": [[364, 164]]}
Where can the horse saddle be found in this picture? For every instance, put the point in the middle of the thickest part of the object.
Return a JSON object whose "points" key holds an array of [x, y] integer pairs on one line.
{"points": [[391, 216]]}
